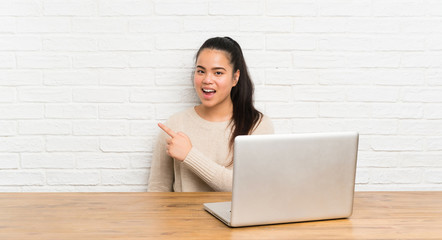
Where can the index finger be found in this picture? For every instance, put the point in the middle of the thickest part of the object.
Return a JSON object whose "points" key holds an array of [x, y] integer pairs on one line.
{"points": [[169, 131]]}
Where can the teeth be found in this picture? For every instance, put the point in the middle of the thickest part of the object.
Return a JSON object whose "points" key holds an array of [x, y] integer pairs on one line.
{"points": [[208, 90]]}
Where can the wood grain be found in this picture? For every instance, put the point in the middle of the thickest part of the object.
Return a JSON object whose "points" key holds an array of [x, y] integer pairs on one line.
{"points": [[376, 215]]}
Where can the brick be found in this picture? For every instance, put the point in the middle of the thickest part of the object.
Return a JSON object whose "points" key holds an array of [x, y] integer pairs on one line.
{"points": [[71, 144], [433, 7], [401, 176], [125, 144], [7, 60], [433, 176], [44, 94], [9, 160], [204, 24], [397, 110], [372, 94], [395, 77], [377, 159], [434, 42], [434, 77], [158, 95], [125, 7], [163, 59], [373, 25], [44, 25], [265, 24], [7, 24], [20, 144], [373, 60], [73, 177], [101, 160], [422, 26], [320, 25], [345, 8], [43, 60], [70, 77], [434, 143], [69, 44], [21, 178], [71, 111], [100, 127], [44, 127], [140, 160], [7, 94], [295, 8], [126, 177], [333, 43], [272, 94], [47, 160], [282, 125], [392, 8], [290, 42], [430, 95], [292, 110], [22, 43], [397, 143], [342, 77], [100, 95], [181, 7], [21, 111], [156, 25], [420, 127], [362, 176], [100, 60], [420, 159], [432, 111], [402, 43], [421, 60], [179, 77], [139, 43], [318, 94], [144, 128], [127, 77], [70, 7], [273, 59], [345, 110], [180, 41], [20, 77], [319, 60], [99, 25], [127, 111], [20, 8], [8, 128], [230, 8]]}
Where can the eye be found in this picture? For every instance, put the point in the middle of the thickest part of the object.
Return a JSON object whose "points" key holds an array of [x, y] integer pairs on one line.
{"points": [[199, 71], [218, 73]]}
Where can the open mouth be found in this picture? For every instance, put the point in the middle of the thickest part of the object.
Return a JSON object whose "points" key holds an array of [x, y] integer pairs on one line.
{"points": [[208, 91]]}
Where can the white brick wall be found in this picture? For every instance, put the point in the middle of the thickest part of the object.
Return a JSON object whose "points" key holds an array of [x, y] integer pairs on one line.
{"points": [[84, 82]]}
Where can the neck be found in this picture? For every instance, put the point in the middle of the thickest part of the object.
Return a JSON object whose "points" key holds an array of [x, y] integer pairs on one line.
{"points": [[215, 114]]}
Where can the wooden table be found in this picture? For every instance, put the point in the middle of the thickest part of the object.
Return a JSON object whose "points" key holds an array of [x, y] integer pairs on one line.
{"points": [[377, 215]]}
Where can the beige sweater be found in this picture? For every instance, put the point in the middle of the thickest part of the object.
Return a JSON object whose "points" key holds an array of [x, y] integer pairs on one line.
{"points": [[208, 166]]}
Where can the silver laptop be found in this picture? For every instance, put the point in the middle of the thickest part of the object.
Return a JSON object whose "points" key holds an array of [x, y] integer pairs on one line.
{"points": [[290, 178]]}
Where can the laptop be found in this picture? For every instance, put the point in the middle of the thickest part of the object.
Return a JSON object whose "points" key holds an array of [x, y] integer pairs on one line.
{"points": [[290, 178]]}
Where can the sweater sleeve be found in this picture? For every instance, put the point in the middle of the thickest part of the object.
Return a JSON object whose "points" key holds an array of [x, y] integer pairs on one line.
{"points": [[161, 176], [217, 176]]}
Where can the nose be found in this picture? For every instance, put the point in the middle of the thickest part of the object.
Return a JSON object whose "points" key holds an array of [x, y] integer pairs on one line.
{"points": [[207, 79]]}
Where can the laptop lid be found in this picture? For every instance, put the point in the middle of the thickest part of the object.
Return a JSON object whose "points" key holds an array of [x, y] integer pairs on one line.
{"points": [[293, 177]]}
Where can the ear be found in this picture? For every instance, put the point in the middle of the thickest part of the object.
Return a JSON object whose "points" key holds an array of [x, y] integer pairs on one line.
{"points": [[236, 77]]}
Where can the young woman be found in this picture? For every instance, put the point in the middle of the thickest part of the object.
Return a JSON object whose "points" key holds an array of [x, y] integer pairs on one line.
{"points": [[194, 152]]}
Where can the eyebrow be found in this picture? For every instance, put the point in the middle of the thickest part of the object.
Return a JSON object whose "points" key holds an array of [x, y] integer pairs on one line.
{"points": [[215, 68]]}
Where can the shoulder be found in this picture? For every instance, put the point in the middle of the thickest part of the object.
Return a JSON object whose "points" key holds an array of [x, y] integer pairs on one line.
{"points": [[265, 126]]}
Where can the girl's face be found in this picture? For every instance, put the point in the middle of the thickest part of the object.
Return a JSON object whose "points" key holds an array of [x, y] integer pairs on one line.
{"points": [[214, 78]]}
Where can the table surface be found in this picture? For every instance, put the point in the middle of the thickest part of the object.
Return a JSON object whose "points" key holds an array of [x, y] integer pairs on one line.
{"points": [[376, 215]]}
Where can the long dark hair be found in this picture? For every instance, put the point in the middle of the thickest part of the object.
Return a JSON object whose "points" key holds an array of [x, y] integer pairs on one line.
{"points": [[245, 117]]}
